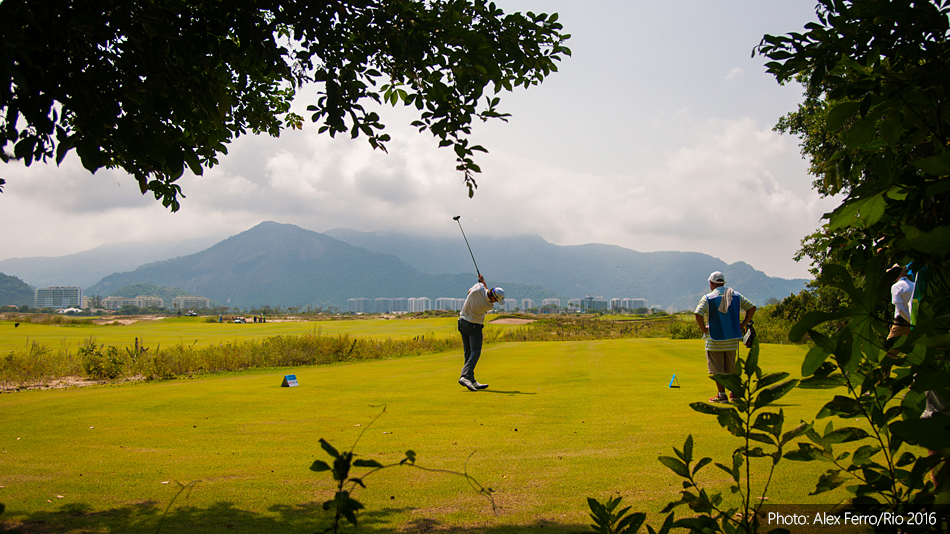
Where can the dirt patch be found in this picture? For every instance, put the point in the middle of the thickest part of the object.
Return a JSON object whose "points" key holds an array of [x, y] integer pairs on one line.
{"points": [[65, 382], [126, 322], [511, 320]]}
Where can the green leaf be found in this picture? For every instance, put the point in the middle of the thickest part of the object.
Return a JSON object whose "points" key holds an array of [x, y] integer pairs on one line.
{"points": [[806, 452], [830, 480], [701, 464], [770, 379], [729, 381], [938, 165], [329, 448], [319, 466], [769, 422], [675, 465], [863, 455], [813, 360], [632, 522], [773, 393], [840, 406], [860, 213], [709, 409], [932, 433], [794, 433], [823, 382], [845, 435], [730, 420], [862, 132], [892, 128], [933, 242], [815, 318], [840, 114]]}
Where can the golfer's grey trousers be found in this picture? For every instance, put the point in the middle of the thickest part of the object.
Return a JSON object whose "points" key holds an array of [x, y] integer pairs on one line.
{"points": [[471, 345]]}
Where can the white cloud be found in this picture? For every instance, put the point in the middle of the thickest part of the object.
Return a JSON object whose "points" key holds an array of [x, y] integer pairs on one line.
{"points": [[640, 141]]}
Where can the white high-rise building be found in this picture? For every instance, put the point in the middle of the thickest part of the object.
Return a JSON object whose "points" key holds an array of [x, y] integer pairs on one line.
{"points": [[527, 304], [190, 302], [360, 305], [449, 303], [419, 304], [633, 304], [141, 301], [58, 297], [384, 305]]}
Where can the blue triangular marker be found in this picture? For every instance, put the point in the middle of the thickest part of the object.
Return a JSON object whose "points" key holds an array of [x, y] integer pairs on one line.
{"points": [[674, 380]]}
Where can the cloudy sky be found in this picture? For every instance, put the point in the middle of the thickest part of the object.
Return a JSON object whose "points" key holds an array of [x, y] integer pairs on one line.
{"points": [[655, 135]]}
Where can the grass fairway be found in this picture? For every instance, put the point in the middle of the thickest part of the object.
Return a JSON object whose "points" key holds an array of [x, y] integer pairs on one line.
{"points": [[562, 421], [188, 331]]}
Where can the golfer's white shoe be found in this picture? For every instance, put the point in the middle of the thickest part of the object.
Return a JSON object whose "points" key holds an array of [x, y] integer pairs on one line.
{"points": [[467, 383], [479, 386]]}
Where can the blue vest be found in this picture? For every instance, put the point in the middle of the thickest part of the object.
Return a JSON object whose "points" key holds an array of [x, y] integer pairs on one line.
{"points": [[723, 326]]}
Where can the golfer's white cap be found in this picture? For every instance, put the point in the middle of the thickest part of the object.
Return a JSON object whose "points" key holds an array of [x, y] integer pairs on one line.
{"points": [[499, 294], [717, 278]]}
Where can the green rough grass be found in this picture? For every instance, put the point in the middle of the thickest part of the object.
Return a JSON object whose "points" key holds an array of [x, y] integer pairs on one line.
{"points": [[561, 422], [194, 330]]}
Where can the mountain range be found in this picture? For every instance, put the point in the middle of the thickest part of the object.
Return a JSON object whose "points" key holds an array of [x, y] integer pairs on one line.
{"points": [[84, 269], [284, 265], [671, 279]]}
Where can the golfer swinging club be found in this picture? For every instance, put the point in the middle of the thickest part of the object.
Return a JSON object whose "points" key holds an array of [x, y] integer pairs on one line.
{"points": [[479, 301]]}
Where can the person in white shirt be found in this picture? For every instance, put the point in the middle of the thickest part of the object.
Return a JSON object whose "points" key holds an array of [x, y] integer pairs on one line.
{"points": [[902, 293], [479, 301]]}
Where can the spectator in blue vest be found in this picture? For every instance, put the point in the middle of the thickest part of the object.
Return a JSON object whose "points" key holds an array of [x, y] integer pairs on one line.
{"points": [[718, 318]]}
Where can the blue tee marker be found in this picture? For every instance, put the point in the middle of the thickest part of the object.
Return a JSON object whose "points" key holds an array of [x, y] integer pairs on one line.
{"points": [[290, 381], [674, 380]]}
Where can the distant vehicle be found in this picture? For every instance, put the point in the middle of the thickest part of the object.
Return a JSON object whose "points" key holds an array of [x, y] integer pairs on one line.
{"points": [[240, 320], [190, 313]]}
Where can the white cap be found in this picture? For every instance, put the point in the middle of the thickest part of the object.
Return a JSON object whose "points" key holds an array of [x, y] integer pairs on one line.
{"points": [[717, 277], [499, 294]]}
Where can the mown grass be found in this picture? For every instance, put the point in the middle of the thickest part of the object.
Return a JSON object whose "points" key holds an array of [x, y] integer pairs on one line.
{"points": [[562, 421], [169, 348]]}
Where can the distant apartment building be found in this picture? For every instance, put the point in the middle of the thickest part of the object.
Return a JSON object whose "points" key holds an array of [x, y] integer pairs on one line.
{"points": [[384, 305], [360, 305], [400, 305], [547, 303], [419, 304], [594, 302], [141, 301], [615, 304], [633, 304], [449, 304], [527, 304], [190, 302], [508, 306], [58, 297]]}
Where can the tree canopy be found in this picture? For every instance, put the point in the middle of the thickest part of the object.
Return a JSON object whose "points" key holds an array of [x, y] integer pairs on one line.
{"points": [[153, 87], [876, 119], [875, 125]]}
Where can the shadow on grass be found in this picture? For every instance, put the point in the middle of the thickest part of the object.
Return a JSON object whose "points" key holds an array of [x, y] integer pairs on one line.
{"points": [[223, 517], [515, 392]]}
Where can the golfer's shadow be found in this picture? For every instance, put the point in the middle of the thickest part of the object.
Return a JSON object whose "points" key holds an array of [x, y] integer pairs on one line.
{"points": [[500, 392]]}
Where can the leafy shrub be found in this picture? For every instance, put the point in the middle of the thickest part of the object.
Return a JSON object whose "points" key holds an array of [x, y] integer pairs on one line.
{"points": [[685, 330], [100, 364]]}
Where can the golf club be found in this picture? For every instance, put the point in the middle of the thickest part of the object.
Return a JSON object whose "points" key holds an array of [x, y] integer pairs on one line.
{"points": [[456, 219]]}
